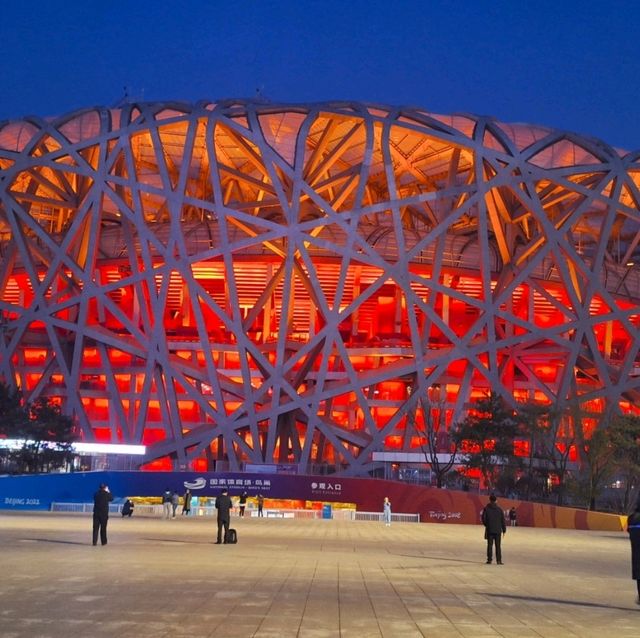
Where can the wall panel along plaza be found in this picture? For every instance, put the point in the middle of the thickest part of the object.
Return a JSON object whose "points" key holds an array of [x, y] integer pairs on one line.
{"points": [[249, 283]]}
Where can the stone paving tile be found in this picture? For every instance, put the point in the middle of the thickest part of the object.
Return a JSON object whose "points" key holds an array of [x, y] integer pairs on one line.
{"points": [[308, 579]]}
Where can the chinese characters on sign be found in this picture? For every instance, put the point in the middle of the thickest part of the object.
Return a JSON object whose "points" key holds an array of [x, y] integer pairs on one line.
{"points": [[326, 488], [263, 484]]}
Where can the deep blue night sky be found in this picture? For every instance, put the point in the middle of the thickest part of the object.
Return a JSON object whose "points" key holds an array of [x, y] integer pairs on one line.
{"points": [[572, 65]]}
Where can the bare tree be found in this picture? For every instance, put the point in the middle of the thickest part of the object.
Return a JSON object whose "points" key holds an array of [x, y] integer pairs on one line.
{"points": [[533, 425], [597, 464], [438, 446], [556, 440]]}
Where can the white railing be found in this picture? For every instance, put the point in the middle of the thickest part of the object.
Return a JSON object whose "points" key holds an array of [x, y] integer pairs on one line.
{"points": [[157, 511], [87, 508], [271, 513], [81, 508], [395, 518]]}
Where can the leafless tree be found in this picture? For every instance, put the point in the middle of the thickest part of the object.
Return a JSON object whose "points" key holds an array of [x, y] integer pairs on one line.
{"points": [[438, 445]]}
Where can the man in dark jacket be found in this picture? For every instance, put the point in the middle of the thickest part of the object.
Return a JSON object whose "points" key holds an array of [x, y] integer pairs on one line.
{"points": [[101, 500], [166, 503], [127, 508], [223, 505], [633, 527], [494, 528]]}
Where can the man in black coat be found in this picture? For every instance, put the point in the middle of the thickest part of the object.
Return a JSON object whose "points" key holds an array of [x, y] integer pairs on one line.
{"points": [[101, 500], [494, 528], [223, 505], [633, 527]]}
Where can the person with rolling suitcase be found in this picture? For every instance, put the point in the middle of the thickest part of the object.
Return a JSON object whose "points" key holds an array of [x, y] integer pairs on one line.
{"points": [[223, 505]]}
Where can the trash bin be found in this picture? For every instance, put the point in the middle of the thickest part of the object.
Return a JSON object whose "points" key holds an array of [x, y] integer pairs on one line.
{"points": [[326, 511]]}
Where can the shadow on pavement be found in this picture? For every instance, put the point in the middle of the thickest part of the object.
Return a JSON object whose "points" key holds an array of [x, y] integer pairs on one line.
{"points": [[53, 540], [176, 541], [559, 601], [440, 558]]}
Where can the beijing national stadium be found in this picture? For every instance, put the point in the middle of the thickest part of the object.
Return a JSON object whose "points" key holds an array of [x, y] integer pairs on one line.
{"points": [[239, 283]]}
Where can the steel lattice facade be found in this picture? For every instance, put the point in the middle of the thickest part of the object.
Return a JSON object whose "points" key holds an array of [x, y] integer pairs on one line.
{"points": [[256, 283]]}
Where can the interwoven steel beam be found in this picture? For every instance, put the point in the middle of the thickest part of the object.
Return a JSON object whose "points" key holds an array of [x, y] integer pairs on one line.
{"points": [[242, 282]]}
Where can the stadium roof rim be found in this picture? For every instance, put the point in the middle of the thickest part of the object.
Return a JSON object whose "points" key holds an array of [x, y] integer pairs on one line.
{"points": [[264, 105]]}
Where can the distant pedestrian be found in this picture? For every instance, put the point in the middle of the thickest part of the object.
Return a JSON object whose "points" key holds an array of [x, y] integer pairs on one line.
{"points": [[513, 517], [243, 502], [175, 501], [223, 505], [101, 500], [494, 528], [386, 511], [127, 508], [186, 502], [166, 503], [260, 504], [633, 527]]}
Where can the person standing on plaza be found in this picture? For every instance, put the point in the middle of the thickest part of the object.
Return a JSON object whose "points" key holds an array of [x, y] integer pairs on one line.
{"points": [[175, 501], [101, 500], [513, 517], [633, 527], [260, 504], [243, 503], [494, 528], [186, 502], [386, 511], [223, 505], [166, 503]]}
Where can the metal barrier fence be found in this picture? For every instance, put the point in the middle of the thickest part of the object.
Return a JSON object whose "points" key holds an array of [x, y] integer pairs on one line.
{"points": [[81, 508], [395, 518], [156, 511]]}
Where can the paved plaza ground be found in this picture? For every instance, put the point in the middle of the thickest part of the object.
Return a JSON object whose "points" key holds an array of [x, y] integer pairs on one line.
{"points": [[307, 578]]}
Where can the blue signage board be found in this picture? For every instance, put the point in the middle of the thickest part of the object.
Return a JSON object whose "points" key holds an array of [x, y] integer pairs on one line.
{"points": [[39, 491]]}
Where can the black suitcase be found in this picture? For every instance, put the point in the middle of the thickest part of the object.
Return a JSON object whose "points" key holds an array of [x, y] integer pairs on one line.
{"points": [[232, 536]]}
